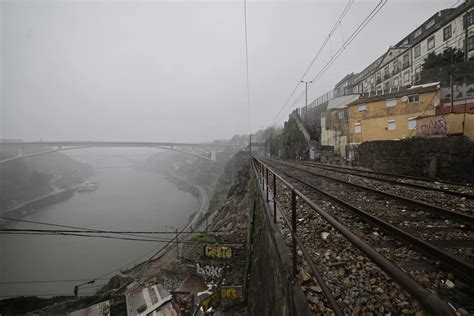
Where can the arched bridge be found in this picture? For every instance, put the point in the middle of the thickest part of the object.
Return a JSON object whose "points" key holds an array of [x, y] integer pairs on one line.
{"points": [[35, 148]]}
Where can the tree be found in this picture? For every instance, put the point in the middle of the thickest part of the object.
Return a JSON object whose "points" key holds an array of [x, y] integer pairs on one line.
{"points": [[439, 67]]}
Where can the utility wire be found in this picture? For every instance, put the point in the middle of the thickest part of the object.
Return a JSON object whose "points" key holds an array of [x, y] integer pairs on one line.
{"points": [[49, 281], [158, 239], [320, 50], [112, 231], [247, 64], [59, 225], [348, 41]]}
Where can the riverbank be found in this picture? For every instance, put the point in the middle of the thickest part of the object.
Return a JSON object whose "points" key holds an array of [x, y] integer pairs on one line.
{"points": [[31, 206]]}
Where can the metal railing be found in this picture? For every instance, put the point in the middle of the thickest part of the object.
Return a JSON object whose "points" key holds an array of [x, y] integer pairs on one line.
{"points": [[430, 301]]}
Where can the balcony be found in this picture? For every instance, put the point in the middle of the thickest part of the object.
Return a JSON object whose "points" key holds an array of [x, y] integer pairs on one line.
{"points": [[379, 80], [386, 76]]}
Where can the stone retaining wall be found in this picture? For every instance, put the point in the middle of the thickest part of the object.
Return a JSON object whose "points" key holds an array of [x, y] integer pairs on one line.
{"points": [[447, 158]]}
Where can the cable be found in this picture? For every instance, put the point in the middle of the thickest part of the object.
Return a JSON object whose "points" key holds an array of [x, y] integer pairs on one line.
{"points": [[348, 41], [158, 239], [247, 64], [60, 294], [323, 45], [112, 231], [49, 281], [57, 225]]}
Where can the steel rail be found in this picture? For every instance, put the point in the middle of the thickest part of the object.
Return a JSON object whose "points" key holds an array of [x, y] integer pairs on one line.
{"points": [[317, 275], [464, 218], [408, 184], [453, 264], [395, 175], [430, 301]]}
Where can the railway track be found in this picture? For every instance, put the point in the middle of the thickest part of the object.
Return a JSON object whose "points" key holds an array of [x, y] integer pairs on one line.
{"points": [[438, 270], [446, 187]]}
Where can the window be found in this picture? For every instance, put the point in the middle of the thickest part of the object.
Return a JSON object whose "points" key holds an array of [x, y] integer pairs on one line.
{"points": [[386, 74], [411, 123], [447, 32], [391, 102], [431, 42], [340, 114], [396, 83], [417, 51], [406, 61], [417, 74], [391, 126], [406, 76], [379, 78], [357, 128], [395, 67], [418, 32], [467, 19], [362, 108], [470, 43], [430, 23], [414, 98]]}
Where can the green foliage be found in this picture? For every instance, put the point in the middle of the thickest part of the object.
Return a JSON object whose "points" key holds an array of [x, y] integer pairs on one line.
{"points": [[439, 67], [448, 57], [23, 180], [208, 238]]}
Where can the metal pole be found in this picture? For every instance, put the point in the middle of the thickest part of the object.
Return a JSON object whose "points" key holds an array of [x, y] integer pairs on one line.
{"points": [[452, 90], [177, 244], [293, 227], [306, 102], [274, 199]]}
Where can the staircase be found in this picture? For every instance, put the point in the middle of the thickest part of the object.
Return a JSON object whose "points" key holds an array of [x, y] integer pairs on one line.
{"points": [[312, 144]]}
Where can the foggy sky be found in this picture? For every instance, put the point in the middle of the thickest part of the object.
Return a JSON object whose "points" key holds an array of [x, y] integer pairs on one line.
{"points": [[174, 71]]}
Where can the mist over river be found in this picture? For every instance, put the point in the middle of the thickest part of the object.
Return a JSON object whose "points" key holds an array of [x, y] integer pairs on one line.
{"points": [[126, 199]]}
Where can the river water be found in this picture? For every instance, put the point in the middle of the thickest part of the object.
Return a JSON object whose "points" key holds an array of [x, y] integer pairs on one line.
{"points": [[127, 199]]}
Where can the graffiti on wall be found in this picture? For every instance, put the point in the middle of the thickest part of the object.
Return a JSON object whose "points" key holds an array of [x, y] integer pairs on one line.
{"points": [[211, 301], [217, 251], [209, 271], [231, 294], [225, 296], [172, 282], [432, 126]]}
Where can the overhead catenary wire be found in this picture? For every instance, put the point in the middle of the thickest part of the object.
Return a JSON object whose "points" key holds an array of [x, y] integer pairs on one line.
{"points": [[316, 56], [348, 41]]}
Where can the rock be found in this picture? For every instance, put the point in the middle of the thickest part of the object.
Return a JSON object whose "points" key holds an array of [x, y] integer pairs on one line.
{"points": [[316, 288], [304, 275], [324, 235], [378, 290], [449, 284]]}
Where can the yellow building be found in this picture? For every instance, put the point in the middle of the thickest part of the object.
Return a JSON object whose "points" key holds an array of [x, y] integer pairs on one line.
{"points": [[391, 116]]}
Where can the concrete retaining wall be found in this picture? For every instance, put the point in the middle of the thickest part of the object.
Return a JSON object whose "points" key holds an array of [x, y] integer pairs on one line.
{"points": [[271, 290]]}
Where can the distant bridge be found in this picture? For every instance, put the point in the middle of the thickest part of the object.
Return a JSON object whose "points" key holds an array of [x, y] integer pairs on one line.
{"points": [[21, 146]]}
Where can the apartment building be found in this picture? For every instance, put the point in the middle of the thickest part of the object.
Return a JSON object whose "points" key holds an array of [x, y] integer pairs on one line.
{"points": [[401, 64]]}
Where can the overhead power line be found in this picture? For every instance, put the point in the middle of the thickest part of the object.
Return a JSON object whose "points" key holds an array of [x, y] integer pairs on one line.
{"points": [[345, 44], [318, 53], [49, 281], [247, 64], [111, 231]]}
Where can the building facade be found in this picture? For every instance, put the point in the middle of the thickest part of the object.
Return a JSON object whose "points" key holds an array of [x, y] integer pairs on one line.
{"points": [[391, 116], [402, 63]]}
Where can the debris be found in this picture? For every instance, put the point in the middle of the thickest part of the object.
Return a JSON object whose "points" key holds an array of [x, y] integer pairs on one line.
{"points": [[449, 284]]}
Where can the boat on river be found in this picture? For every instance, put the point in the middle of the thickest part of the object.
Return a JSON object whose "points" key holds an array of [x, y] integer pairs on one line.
{"points": [[87, 186]]}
